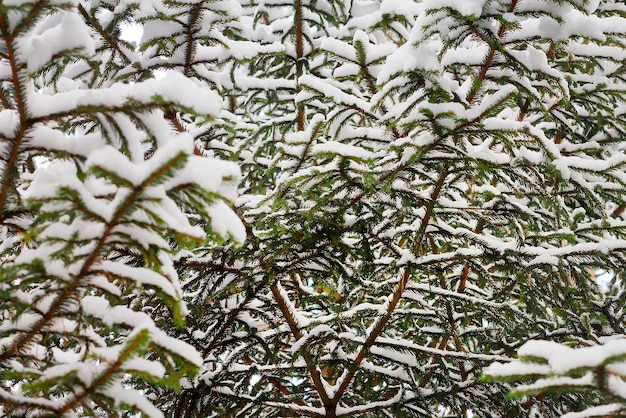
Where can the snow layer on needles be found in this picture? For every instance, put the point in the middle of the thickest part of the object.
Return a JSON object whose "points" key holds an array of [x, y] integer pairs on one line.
{"points": [[172, 87], [465, 7]]}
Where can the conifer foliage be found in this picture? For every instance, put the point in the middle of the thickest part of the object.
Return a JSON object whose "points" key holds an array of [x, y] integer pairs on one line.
{"points": [[98, 192], [425, 186]]}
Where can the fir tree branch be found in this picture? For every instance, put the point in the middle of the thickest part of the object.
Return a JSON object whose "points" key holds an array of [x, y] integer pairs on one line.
{"points": [[4, 100], [172, 117], [110, 40], [136, 342], [395, 299], [18, 344], [17, 79], [369, 78], [190, 44], [299, 28], [35, 11], [489, 60], [231, 318], [314, 373], [89, 110]]}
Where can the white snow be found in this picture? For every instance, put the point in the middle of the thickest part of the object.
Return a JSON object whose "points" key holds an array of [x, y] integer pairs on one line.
{"points": [[225, 222], [465, 7], [562, 358], [408, 57], [345, 150], [172, 87], [139, 275], [9, 122], [63, 31]]}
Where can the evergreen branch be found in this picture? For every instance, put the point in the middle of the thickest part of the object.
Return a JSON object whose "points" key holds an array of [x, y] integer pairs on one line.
{"points": [[489, 60], [135, 343], [35, 12], [382, 321], [132, 107], [313, 371], [299, 28], [110, 40], [17, 79], [90, 260], [4, 100], [231, 318], [189, 34]]}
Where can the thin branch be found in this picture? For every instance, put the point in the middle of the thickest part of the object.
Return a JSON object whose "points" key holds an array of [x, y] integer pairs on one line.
{"points": [[314, 373], [299, 25], [20, 101], [78, 278], [378, 328]]}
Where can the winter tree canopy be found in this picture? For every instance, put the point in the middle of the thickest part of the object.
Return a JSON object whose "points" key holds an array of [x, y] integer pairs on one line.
{"points": [[312, 208]]}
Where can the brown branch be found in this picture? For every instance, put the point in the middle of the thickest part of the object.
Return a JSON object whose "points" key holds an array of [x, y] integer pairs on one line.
{"points": [[299, 24], [442, 344], [113, 42], [618, 211], [85, 110], [20, 101], [102, 379], [373, 89], [310, 363], [304, 153], [292, 410], [488, 61], [466, 268], [77, 279], [366, 410], [189, 44], [371, 339], [232, 316], [6, 104], [458, 344], [24, 23], [171, 116]]}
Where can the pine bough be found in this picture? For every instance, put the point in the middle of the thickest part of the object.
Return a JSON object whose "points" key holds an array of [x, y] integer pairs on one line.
{"points": [[98, 192], [427, 185]]}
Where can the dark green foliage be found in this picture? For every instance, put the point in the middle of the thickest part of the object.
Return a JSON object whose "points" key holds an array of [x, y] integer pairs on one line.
{"points": [[426, 191], [93, 184]]}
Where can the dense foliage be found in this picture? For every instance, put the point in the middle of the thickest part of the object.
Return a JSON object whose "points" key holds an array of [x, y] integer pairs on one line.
{"points": [[425, 186], [98, 193]]}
